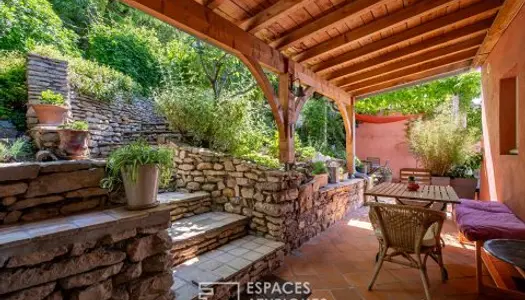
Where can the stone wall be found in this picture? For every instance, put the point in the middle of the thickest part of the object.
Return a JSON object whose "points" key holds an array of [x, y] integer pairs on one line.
{"points": [[36, 191], [284, 206], [114, 124], [114, 254], [111, 125]]}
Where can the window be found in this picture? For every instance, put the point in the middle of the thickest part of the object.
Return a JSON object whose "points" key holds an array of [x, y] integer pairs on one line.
{"points": [[508, 116]]}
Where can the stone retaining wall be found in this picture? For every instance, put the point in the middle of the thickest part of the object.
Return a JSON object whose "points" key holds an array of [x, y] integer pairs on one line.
{"points": [[114, 255], [284, 206], [36, 191], [114, 124], [111, 125]]}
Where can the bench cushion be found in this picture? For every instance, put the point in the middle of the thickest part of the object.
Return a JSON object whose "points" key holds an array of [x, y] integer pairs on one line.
{"points": [[488, 220]]}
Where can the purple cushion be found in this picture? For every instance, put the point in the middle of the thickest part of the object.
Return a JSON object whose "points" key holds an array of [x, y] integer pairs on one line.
{"points": [[491, 206], [482, 225]]}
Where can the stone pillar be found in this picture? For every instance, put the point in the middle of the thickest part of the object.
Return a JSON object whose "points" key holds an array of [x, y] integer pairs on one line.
{"points": [[45, 73]]}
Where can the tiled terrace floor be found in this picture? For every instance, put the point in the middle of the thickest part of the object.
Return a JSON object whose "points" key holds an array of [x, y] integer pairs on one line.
{"points": [[339, 264]]}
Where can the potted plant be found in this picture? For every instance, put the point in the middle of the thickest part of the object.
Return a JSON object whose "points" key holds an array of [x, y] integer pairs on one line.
{"points": [[464, 180], [74, 139], [360, 166], [51, 110], [412, 184], [320, 173], [440, 143], [141, 168]]}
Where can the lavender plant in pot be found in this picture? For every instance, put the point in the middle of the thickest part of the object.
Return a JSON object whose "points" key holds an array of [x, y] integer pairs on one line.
{"points": [[52, 108], [74, 139], [141, 168]]}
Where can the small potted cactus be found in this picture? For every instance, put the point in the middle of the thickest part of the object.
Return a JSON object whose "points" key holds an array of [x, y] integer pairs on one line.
{"points": [[52, 108], [412, 184], [74, 139]]}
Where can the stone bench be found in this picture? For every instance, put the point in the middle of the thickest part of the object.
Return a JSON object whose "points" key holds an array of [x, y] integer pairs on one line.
{"points": [[112, 253]]}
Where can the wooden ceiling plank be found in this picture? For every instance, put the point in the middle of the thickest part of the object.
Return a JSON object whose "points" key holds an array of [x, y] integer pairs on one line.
{"points": [[325, 22], [505, 16], [470, 30], [411, 80], [481, 8], [429, 65], [413, 11], [269, 15], [214, 4], [431, 55], [203, 23]]}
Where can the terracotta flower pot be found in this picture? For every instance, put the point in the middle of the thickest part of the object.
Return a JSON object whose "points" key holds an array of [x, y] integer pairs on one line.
{"points": [[48, 114], [74, 143], [142, 191]]}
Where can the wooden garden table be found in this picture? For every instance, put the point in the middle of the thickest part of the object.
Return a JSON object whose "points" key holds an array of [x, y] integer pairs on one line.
{"points": [[426, 193]]}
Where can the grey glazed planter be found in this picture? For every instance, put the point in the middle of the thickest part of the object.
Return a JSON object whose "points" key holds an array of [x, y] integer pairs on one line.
{"points": [[142, 193]]}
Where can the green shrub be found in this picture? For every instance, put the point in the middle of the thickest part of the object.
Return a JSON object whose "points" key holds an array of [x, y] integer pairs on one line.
{"points": [[15, 150], [93, 79], [319, 167], [130, 50], [440, 143], [24, 23], [50, 97], [76, 125], [13, 89], [136, 154], [263, 160], [222, 125]]}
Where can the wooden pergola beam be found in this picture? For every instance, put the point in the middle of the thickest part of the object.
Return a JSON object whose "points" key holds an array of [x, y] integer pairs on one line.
{"points": [[203, 23], [432, 43], [505, 16], [347, 11], [484, 8], [269, 15], [442, 72], [419, 59], [214, 4], [414, 11], [427, 66]]}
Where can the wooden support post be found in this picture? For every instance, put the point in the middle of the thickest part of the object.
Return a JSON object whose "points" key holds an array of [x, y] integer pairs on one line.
{"points": [[347, 112], [286, 137]]}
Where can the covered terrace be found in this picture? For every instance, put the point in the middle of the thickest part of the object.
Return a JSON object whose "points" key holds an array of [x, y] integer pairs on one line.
{"points": [[348, 50]]}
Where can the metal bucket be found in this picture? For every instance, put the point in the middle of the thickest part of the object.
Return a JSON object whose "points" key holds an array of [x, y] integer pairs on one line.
{"points": [[142, 194]]}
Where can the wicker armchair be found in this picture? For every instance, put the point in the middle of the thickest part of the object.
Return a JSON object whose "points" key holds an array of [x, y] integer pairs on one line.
{"points": [[413, 233]]}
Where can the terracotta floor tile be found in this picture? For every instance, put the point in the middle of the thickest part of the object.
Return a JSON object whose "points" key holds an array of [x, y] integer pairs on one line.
{"points": [[346, 294], [339, 264], [321, 294]]}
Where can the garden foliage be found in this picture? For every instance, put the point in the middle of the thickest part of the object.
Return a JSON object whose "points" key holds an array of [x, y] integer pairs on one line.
{"points": [[441, 143], [13, 89]]}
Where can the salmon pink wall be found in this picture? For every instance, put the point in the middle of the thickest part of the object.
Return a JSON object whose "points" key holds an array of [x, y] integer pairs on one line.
{"points": [[386, 141], [504, 174]]}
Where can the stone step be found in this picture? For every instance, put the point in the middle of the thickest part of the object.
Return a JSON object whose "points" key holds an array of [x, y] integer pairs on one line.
{"points": [[194, 235], [246, 259], [185, 205]]}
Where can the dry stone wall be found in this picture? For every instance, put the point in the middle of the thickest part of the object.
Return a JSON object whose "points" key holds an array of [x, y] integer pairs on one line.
{"points": [[36, 191], [110, 124], [284, 206], [114, 124], [113, 255]]}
